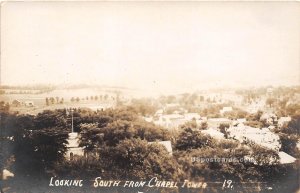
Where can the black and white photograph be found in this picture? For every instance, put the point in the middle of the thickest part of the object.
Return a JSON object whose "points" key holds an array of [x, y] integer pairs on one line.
{"points": [[150, 97]]}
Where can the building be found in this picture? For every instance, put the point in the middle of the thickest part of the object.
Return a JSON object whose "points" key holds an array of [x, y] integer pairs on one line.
{"points": [[174, 120], [251, 135], [213, 133], [255, 106], [170, 121], [216, 122], [283, 120], [226, 109], [29, 103], [270, 118], [285, 158], [191, 116], [6, 174], [73, 146]]}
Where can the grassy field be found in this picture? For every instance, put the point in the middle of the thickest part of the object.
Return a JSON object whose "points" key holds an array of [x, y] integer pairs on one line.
{"points": [[40, 105]]}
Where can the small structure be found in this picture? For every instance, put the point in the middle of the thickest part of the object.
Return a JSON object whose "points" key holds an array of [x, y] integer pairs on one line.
{"points": [[283, 120], [213, 133], [191, 116], [216, 122], [170, 121], [285, 158], [255, 106], [29, 104], [7, 174], [226, 109], [270, 118]]}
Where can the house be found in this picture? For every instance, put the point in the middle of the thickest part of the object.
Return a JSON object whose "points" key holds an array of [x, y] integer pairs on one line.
{"points": [[226, 109], [29, 104], [148, 119], [213, 133], [191, 116], [159, 112], [270, 118], [239, 121], [166, 144], [216, 122], [170, 121], [269, 91], [255, 106], [7, 174], [285, 158], [283, 120]]}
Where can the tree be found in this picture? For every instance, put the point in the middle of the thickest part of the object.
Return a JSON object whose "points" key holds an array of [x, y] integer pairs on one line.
{"points": [[204, 125], [264, 156], [62, 101], [290, 135], [49, 119], [4, 107], [57, 100], [96, 135], [193, 139], [52, 100], [289, 144], [47, 101], [34, 150], [270, 101], [137, 160], [223, 128], [37, 151]]}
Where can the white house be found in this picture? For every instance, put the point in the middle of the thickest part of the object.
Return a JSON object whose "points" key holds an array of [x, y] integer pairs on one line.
{"points": [[213, 133], [285, 158], [270, 118], [263, 137], [7, 174], [190, 116], [283, 120], [29, 103], [216, 122], [226, 109]]}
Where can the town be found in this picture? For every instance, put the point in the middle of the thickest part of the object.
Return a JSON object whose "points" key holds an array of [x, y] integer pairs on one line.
{"points": [[261, 124]]}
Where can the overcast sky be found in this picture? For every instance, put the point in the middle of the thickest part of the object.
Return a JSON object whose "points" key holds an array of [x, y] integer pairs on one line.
{"points": [[158, 45]]}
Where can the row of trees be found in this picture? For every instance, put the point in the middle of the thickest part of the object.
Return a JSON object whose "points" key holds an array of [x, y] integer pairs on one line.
{"points": [[58, 100], [52, 100], [96, 97]]}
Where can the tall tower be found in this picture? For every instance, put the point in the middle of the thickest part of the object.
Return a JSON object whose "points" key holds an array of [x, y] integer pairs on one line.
{"points": [[73, 142]]}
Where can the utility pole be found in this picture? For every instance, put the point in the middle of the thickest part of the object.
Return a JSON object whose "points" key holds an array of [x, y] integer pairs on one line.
{"points": [[72, 121]]}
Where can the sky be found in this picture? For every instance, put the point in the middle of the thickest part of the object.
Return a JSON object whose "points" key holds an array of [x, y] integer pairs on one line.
{"points": [[152, 45]]}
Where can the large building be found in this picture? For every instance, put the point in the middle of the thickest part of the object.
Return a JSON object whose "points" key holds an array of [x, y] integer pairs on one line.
{"points": [[251, 135]]}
